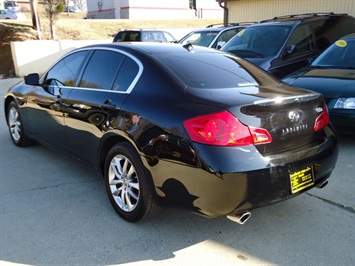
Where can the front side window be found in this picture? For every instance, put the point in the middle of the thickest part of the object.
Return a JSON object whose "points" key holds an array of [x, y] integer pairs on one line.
{"points": [[66, 71], [203, 38], [302, 40], [101, 70], [225, 37]]}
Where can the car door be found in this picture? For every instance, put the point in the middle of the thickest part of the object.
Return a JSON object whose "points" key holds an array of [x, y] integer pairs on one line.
{"points": [[44, 103], [93, 107]]}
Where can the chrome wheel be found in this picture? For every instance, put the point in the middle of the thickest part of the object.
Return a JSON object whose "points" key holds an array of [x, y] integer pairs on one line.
{"points": [[124, 183], [15, 124], [129, 184], [16, 128]]}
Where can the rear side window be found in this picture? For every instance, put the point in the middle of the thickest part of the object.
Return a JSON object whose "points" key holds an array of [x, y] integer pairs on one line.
{"points": [[101, 70], [127, 73], [66, 71], [302, 38]]}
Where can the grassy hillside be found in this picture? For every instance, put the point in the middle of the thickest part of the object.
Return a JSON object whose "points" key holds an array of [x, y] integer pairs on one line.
{"points": [[74, 27]]}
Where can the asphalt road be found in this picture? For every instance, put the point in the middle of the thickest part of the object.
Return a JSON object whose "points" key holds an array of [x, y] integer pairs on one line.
{"points": [[54, 211]]}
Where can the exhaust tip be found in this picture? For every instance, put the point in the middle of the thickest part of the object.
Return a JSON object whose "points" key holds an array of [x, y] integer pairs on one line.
{"points": [[239, 218], [322, 184]]}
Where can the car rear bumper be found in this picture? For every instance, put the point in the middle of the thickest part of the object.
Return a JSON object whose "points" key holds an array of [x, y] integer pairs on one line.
{"points": [[243, 181]]}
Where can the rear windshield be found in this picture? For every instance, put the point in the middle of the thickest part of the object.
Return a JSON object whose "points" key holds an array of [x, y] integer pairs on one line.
{"points": [[214, 70], [128, 36]]}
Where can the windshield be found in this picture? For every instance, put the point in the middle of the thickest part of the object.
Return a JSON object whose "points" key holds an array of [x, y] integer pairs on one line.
{"points": [[202, 38], [339, 55], [258, 42]]}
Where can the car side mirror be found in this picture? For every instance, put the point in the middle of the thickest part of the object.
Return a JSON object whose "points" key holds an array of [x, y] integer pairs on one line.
{"points": [[32, 79], [220, 44], [289, 50]]}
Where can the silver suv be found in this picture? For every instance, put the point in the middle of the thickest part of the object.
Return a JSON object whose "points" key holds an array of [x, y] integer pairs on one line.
{"points": [[213, 36]]}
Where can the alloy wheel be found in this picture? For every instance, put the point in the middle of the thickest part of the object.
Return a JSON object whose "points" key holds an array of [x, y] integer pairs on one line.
{"points": [[124, 183]]}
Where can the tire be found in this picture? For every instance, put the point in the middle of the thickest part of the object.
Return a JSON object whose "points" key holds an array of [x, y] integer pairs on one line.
{"points": [[16, 129], [129, 184]]}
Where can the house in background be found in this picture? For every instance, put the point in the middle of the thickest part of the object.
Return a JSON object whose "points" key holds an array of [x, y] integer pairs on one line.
{"points": [[153, 9]]}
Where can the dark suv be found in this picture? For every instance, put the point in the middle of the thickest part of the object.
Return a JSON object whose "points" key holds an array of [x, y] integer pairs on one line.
{"points": [[284, 44], [144, 35], [213, 36]]}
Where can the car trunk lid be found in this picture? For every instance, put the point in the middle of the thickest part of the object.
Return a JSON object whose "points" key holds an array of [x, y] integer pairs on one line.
{"points": [[288, 114]]}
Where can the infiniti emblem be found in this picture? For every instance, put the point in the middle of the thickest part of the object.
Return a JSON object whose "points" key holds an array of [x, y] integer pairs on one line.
{"points": [[294, 116]]}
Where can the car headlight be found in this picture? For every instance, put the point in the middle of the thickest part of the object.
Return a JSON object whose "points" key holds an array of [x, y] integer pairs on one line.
{"points": [[345, 103]]}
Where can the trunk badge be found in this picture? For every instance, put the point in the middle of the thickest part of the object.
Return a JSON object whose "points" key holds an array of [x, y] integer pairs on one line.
{"points": [[293, 116]]}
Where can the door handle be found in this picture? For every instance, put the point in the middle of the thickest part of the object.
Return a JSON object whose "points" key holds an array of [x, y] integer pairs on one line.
{"points": [[108, 105]]}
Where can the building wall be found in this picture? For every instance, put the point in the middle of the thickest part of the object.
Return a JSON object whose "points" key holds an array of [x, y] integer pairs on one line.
{"points": [[153, 9], [256, 10], [101, 9]]}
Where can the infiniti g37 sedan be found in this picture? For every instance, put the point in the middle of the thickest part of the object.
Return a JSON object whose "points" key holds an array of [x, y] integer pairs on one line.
{"points": [[177, 125]]}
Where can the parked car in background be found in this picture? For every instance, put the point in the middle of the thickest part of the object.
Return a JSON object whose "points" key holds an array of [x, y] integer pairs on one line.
{"points": [[284, 44], [333, 75], [213, 36], [164, 131], [11, 14], [71, 9], [144, 35], [10, 5]]}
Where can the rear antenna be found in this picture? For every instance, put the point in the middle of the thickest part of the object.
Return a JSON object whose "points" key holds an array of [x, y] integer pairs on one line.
{"points": [[188, 47]]}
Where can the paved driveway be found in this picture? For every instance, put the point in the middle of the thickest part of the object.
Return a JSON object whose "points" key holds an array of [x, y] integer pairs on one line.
{"points": [[54, 211]]}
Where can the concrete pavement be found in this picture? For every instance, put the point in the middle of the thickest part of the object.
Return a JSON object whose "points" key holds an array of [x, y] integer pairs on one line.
{"points": [[54, 211]]}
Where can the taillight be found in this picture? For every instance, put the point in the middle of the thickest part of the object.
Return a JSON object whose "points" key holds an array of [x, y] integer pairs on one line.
{"points": [[223, 129], [322, 120]]}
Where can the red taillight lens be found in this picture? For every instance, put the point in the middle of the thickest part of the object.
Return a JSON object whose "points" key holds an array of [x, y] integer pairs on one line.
{"points": [[223, 129], [322, 120]]}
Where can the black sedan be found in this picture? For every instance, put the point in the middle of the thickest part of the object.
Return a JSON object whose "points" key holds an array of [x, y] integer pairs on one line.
{"points": [[333, 75], [173, 125]]}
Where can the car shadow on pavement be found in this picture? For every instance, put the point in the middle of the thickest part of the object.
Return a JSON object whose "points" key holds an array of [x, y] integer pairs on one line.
{"points": [[54, 210]]}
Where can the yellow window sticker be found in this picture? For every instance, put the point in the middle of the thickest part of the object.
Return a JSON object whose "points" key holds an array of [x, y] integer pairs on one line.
{"points": [[241, 33], [341, 43]]}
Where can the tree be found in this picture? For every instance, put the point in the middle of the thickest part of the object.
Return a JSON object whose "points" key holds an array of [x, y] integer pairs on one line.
{"points": [[53, 8]]}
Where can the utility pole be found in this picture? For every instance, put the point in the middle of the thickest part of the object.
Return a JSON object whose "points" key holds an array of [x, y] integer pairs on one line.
{"points": [[35, 18]]}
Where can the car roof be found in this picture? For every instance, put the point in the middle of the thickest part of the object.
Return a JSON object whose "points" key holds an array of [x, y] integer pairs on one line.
{"points": [[221, 27], [151, 48], [302, 17], [296, 19], [135, 30], [349, 36]]}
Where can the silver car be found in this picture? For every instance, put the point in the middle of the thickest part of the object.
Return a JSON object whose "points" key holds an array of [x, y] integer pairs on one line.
{"points": [[11, 14]]}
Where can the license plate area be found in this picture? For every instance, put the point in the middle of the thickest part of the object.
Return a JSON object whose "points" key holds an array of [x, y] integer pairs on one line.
{"points": [[301, 179]]}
